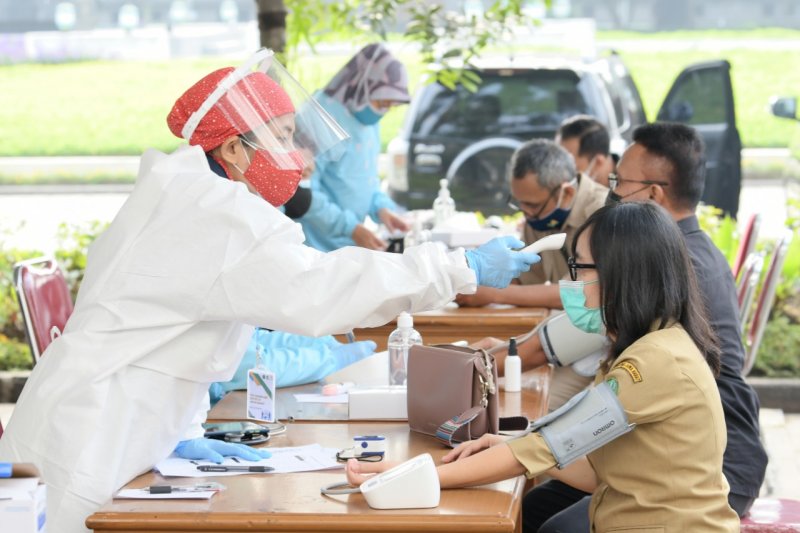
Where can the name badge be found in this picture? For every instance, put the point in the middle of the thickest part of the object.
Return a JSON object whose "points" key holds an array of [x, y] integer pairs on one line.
{"points": [[261, 395]]}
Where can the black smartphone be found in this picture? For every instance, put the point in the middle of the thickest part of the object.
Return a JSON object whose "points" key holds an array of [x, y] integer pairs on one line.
{"points": [[239, 432]]}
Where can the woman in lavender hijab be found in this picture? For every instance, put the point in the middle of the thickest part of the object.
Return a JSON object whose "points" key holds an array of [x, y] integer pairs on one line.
{"points": [[346, 190]]}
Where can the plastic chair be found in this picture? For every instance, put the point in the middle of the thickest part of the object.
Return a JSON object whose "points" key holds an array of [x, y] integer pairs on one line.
{"points": [[44, 299], [747, 243], [769, 515], [765, 301], [746, 286]]}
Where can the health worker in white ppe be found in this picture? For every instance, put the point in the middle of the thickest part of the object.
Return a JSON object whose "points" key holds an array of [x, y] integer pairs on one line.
{"points": [[190, 265]]}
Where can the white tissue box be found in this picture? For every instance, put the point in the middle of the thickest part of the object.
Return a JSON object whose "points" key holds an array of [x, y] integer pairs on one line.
{"points": [[378, 403], [23, 500]]}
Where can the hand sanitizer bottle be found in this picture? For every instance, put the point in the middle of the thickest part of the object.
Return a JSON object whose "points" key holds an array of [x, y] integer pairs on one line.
{"points": [[400, 340], [444, 206], [513, 368]]}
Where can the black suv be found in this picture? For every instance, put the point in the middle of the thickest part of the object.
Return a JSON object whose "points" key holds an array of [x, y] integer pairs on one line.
{"points": [[468, 138]]}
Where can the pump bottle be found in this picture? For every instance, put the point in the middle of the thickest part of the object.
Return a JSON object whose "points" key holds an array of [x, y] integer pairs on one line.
{"points": [[513, 368], [444, 206], [400, 341]]}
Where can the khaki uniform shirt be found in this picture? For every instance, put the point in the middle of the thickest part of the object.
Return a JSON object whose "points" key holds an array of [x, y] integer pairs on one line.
{"points": [[590, 197], [665, 476]]}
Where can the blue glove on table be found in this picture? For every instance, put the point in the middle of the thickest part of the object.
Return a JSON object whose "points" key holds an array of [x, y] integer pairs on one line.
{"points": [[347, 354], [214, 450], [295, 359], [496, 263]]}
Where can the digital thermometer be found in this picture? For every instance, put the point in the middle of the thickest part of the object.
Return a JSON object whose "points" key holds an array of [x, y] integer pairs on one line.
{"points": [[551, 242]]}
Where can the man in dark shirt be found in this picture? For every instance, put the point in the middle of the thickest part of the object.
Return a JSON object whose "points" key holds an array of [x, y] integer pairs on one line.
{"points": [[666, 164]]}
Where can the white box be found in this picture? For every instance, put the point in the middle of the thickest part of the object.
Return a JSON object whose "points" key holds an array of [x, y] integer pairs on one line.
{"points": [[23, 499], [378, 403]]}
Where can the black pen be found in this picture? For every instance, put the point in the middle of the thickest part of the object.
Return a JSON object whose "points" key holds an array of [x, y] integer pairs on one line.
{"points": [[233, 468]]}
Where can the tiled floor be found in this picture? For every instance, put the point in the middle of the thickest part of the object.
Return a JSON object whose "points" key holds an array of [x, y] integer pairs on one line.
{"points": [[780, 432]]}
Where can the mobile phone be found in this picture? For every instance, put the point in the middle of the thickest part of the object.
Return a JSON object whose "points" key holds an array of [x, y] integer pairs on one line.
{"points": [[239, 432]]}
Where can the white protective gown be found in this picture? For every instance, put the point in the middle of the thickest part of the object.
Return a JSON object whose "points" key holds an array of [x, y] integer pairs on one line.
{"points": [[171, 293]]}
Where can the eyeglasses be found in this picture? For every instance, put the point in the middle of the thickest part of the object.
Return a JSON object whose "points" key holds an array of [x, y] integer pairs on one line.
{"points": [[614, 180], [516, 205], [573, 268]]}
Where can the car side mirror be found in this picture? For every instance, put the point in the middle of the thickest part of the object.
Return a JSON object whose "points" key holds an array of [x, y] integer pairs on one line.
{"points": [[784, 107]]}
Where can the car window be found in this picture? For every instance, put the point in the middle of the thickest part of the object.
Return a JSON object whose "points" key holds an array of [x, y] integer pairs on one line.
{"points": [[513, 103], [697, 100]]}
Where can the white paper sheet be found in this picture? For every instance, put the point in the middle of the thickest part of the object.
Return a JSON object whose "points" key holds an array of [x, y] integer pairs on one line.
{"points": [[284, 460], [321, 398], [144, 494]]}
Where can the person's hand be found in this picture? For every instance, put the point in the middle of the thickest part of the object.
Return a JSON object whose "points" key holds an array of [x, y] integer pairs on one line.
{"points": [[486, 343], [358, 472], [392, 221], [354, 351], [496, 263], [366, 239], [471, 447], [483, 296], [308, 159], [214, 450]]}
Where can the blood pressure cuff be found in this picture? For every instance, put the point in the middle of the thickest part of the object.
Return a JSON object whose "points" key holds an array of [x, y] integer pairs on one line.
{"points": [[588, 421]]}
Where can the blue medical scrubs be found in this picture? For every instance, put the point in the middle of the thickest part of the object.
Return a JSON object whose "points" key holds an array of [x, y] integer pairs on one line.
{"points": [[347, 190]]}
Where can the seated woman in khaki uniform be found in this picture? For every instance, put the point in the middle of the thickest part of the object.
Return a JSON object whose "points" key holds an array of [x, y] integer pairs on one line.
{"points": [[637, 286]]}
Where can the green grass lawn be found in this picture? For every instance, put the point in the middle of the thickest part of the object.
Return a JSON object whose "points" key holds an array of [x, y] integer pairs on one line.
{"points": [[99, 107]]}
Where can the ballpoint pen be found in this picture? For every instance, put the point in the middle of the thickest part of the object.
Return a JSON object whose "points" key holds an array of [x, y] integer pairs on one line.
{"points": [[168, 489], [234, 468]]}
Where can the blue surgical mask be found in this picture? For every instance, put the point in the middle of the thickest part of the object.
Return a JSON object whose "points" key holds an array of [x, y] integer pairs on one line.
{"points": [[588, 319], [368, 115], [554, 220]]}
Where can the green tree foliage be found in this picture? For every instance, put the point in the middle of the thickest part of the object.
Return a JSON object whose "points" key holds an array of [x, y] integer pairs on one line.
{"points": [[449, 41]]}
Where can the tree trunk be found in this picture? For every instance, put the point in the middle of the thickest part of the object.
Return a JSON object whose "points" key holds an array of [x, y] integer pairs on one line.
{"points": [[272, 24]]}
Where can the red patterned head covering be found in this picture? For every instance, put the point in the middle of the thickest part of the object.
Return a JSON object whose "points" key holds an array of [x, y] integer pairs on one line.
{"points": [[256, 94]]}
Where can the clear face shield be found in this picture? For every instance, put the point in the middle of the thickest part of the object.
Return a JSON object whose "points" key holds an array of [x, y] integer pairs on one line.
{"points": [[281, 128]]}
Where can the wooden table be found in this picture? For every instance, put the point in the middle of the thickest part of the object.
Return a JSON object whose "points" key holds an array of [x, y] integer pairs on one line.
{"points": [[453, 323], [292, 502]]}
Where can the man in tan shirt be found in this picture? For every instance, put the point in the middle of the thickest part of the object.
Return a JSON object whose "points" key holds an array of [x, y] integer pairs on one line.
{"points": [[554, 198]]}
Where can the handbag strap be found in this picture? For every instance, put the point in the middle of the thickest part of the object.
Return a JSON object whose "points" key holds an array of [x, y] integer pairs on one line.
{"points": [[445, 432]]}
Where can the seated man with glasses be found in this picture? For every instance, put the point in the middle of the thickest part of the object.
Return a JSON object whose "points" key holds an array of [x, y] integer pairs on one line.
{"points": [[666, 165], [554, 198]]}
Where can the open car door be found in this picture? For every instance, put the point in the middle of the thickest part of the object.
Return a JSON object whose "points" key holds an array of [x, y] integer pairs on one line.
{"points": [[702, 97]]}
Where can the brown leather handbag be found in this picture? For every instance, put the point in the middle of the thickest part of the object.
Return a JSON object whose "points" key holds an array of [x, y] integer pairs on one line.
{"points": [[452, 394]]}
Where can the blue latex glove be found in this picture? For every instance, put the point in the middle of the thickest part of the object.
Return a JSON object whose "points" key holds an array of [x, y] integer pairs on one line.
{"points": [[496, 263], [295, 359], [347, 354], [213, 450]]}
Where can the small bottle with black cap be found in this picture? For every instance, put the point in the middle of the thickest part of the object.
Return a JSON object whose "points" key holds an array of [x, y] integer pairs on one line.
{"points": [[513, 368]]}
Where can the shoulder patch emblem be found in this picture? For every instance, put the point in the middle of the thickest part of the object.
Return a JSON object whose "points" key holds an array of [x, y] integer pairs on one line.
{"points": [[613, 384], [631, 369]]}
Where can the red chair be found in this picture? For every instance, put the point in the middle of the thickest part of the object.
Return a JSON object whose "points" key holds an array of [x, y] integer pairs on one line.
{"points": [[765, 301], [769, 515], [746, 286], [44, 299], [747, 243]]}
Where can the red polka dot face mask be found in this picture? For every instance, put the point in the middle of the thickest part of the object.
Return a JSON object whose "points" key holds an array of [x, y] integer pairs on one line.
{"points": [[274, 175], [280, 127]]}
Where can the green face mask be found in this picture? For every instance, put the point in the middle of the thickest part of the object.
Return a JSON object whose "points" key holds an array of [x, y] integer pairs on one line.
{"points": [[584, 318]]}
